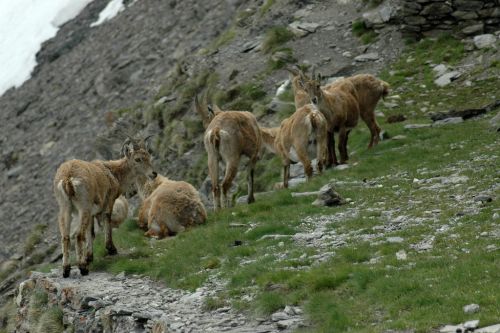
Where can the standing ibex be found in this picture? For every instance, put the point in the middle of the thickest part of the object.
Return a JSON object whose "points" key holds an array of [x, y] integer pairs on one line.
{"points": [[168, 206], [300, 137], [90, 188], [369, 90], [341, 110], [229, 135]]}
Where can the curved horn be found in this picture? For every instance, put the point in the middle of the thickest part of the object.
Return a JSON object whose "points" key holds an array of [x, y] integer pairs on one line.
{"points": [[124, 149], [313, 71], [293, 70]]}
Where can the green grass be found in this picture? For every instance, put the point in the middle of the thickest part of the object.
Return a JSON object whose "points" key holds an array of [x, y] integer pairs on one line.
{"points": [[366, 35], [362, 287], [275, 37], [266, 6], [34, 238]]}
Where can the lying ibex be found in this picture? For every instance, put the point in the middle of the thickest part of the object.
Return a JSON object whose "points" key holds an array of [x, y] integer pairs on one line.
{"points": [[168, 206], [369, 90], [300, 138], [119, 212], [90, 188], [228, 136], [340, 107]]}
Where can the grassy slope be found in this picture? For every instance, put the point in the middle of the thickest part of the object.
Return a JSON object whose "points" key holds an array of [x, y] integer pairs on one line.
{"points": [[348, 291]]}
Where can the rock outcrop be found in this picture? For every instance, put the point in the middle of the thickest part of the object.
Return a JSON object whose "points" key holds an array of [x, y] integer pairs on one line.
{"points": [[102, 302]]}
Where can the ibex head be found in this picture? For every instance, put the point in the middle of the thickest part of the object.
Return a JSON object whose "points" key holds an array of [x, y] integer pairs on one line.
{"points": [[138, 157]]}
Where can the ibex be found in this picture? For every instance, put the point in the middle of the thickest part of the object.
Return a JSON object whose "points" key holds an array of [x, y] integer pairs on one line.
{"points": [[369, 90], [340, 107], [168, 206], [90, 188], [228, 136], [297, 78], [300, 138]]}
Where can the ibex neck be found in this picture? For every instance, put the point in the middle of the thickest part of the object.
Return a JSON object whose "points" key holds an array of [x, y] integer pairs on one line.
{"points": [[121, 171]]}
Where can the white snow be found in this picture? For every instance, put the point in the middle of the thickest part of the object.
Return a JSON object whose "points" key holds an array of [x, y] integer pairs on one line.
{"points": [[24, 26], [110, 11]]}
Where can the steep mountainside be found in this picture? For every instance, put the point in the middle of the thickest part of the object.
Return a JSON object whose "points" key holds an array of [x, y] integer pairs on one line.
{"points": [[148, 62]]}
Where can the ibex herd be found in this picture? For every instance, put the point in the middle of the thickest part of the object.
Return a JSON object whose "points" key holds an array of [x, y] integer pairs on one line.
{"points": [[95, 190]]}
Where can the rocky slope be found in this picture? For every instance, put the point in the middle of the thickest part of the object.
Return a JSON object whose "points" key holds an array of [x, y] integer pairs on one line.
{"points": [[87, 77]]}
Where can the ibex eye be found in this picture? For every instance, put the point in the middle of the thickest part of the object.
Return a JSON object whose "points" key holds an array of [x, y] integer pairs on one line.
{"points": [[137, 160]]}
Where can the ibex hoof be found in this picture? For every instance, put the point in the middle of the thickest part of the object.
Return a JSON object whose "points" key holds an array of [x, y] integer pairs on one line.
{"points": [[90, 258], [66, 271], [112, 251], [251, 200], [84, 271]]}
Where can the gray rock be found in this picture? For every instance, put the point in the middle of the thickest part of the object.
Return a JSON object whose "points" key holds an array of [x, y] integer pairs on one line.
{"points": [[489, 329], [301, 29], [463, 15], [485, 41], [401, 255], [468, 4], [367, 57], [447, 121], [440, 69], [328, 197], [415, 126], [436, 9], [473, 29], [495, 122], [379, 15], [394, 240], [483, 198], [471, 308], [471, 324], [446, 79], [277, 316]]}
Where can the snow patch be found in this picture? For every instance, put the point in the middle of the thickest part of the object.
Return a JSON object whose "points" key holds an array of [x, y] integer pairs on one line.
{"points": [[110, 11], [24, 26]]}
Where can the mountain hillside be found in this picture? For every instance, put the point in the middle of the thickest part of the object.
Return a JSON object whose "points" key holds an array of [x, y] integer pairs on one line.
{"points": [[413, 243]]}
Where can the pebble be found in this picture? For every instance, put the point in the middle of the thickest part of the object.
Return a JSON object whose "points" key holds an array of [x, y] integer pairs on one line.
{"points": [[471, 308]]}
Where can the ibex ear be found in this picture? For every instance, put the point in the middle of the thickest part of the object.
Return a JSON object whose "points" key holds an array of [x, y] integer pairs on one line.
{"points": [[147, 144], [127, 148]]}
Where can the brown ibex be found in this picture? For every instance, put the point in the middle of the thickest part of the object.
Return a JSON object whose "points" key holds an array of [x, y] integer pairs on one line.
{"points": [[228, 136], [90, 188], [369, 90], [341, 110], [300, 137], [168, 206]]}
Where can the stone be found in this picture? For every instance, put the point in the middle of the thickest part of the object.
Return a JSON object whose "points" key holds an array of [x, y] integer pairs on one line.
{"points": [[471, 324], [341, 167], [301, 29], [440, 69], [485, 41], [447, 121], [401, 255], [394, 240], [473, 29], [446, 79], [367, 57], [483, 198], [347, 54], [328, 197], [468, 4], [399, 137], [415, 126], [471, 308], [277, 316], [436, 9], [379, 15], [455, 179], [463, 15], [415, 20], [489, 329], [495, 122]]}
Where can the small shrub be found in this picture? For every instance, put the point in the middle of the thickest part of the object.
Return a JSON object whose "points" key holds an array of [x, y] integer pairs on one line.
{"points": [[213, 303], [34, 238], [275, 37], [51, 321]]}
